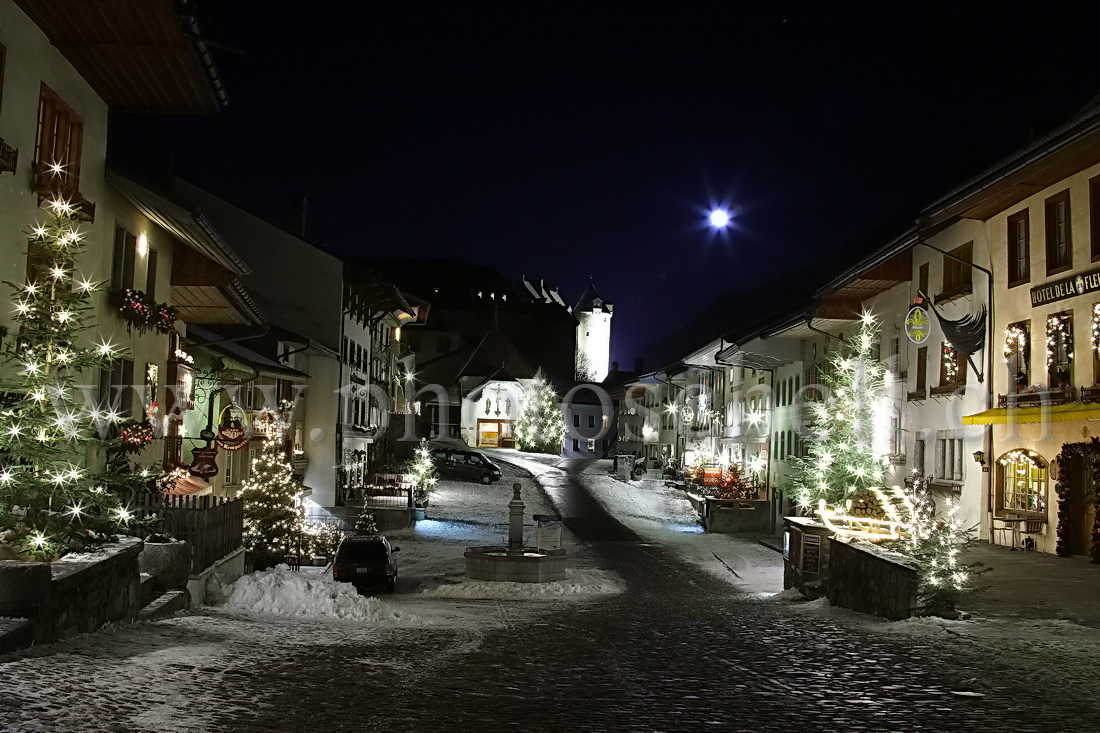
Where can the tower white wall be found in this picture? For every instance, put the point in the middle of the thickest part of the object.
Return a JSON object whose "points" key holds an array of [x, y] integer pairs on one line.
{"points": [[594, 341]]}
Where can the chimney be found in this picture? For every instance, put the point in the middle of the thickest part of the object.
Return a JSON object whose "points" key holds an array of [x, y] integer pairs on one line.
{"points": [[297, 223], [638, 364]]}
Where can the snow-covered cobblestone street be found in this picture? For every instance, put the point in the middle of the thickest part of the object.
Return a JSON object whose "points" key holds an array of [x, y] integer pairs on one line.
{"points": [[645, 635]]}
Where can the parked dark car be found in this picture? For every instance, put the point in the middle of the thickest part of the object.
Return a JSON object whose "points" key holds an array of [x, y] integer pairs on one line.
{"points": [[468, 465], [366, 561]]}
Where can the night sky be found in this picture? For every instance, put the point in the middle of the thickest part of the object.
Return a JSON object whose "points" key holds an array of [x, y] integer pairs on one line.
{"points": [[566, 142]]}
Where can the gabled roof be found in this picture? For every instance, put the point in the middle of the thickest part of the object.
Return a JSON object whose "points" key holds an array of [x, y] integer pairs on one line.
{"points": [[1068, 149], [179, 218], [139, 55], [495, 353]]}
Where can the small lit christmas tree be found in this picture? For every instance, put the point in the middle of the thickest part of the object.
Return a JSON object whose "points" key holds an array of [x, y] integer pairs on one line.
{"points": [[365, 524], [272, 519], [846, 447], [936, 543], [422, 472], [50, 501], [540, 427], [734, 486]]}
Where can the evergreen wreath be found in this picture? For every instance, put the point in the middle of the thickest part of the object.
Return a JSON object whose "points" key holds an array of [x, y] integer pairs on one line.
{"points": [[1062, 489]]}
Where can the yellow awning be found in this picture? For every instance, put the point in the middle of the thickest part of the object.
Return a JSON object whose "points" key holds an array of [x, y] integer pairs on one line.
{"points": [[1053, 413]]}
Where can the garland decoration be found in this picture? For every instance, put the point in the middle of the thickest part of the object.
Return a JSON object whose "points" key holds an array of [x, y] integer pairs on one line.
{"points": [[143, 313], [1062, 488], [1021, 456], [950, 358], [1016, 338], [136, 434], [1096, 327], [1058, 338]]}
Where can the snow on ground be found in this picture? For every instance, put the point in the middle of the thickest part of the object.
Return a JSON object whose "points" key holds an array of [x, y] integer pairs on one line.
{"points": [[579, 583], [664, 515], [281, 591]]}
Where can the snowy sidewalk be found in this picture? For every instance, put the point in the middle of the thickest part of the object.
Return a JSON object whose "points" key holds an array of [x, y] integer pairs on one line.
{"points": [[664, 516]]}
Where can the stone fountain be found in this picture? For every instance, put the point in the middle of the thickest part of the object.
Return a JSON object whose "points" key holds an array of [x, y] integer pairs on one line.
{"points": [[515, 562]]}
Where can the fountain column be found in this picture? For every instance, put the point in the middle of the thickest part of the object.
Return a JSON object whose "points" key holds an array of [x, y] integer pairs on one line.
{"points": [[515, 522]]}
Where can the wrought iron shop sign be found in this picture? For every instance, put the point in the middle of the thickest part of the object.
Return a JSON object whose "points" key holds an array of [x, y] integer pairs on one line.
{"points": [[918, 326], [1067, 287]]}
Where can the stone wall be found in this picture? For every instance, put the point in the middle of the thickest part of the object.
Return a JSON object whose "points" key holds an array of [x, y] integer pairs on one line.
{"points": [[87, 591], [732, 516], [869, 579]]}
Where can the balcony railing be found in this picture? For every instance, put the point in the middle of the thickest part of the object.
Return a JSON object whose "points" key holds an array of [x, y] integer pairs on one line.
{"points": [[1055, 396], [1090, 394], [9, 157], [48, 184]]}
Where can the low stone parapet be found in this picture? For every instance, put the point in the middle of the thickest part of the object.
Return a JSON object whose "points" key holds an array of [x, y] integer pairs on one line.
{"points": [[89, 590], [870, 579], [734, 516]]}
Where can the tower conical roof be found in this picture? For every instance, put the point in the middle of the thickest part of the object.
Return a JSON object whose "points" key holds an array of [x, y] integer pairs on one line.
{"points": [[591, 301]]}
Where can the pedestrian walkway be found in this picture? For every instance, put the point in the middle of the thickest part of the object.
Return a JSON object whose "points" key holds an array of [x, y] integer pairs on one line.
{"points": [[1035, 585]]}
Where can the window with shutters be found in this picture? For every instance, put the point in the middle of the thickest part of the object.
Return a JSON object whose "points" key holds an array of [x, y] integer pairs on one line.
{"points": [[1019, 252], [949, 456], [60, 137], [1059, 247], [957, 276]]}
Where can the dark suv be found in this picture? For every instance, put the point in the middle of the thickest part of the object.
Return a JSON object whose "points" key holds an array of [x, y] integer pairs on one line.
{"points": [[465, 464], [366, 561]]}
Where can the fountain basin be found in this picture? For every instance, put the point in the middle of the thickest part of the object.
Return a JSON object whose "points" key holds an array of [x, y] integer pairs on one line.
{"points": [[529, 566]]}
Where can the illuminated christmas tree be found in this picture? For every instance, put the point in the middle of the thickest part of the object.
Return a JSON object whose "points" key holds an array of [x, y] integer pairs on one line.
{"points": [[272, 519], [365, 524], [847, 442], [422, 472], [51, 502], [540, 427], [734, 486], [936, 542]]}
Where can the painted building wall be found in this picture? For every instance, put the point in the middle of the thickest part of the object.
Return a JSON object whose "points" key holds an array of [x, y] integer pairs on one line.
{"points": [[1014, 306], [927, 433]]}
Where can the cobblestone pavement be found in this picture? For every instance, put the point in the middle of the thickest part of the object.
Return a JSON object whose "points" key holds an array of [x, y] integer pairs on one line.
{"points": [[677, 651]]}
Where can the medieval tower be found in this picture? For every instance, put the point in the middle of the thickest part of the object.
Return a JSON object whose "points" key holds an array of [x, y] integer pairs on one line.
{"points": [[593, 316]]}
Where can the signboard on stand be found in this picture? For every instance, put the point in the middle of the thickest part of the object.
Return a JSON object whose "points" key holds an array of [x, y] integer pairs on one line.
{"points": [[811, 553], [547, 531]]}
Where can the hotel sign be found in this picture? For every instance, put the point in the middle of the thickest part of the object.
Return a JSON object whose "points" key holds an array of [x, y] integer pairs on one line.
{"points": [[1067, 287]]}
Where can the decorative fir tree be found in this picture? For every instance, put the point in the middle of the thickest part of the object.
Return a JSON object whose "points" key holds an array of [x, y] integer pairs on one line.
{"points": [[935, 542], [365, 524], [540, 427], [734, 486], [424, 477], [272, 520], [845, 446], [50, 501]]}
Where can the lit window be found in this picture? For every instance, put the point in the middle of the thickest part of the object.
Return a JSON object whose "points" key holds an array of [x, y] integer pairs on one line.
{"points": [[1023, 481]]}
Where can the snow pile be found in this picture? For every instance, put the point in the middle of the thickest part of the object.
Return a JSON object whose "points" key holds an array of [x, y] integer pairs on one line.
{"points": [[579, 583], [792, 595], [283, 592]]}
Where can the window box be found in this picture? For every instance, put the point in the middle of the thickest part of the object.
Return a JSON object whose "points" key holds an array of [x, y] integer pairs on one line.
{"points": [[1090, 394], [954, 293], [50, 186], [919, 395], [9, 157], [1039, 396], [139, 311], [945, 390]]}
